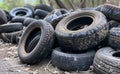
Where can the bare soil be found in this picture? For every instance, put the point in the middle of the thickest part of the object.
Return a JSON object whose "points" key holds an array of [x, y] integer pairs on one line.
{"points": [[10, 64]]}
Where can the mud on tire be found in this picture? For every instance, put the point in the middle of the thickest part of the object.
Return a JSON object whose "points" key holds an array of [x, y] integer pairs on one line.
{"points": [[81, 30]]}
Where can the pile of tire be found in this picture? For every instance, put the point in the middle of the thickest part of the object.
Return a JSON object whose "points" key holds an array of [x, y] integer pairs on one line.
{"points": [[107, 58], [70, 38]]}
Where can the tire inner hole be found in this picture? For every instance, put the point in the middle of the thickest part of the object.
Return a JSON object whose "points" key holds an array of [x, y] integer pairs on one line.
{"points": [[117, 54], [79, 23], [21, 13], [32, 40]]}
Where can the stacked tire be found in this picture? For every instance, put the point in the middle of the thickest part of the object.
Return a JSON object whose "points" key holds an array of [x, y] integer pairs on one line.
{"points": [[71, 38], [77, 33], [13, 23], [107, 60]]}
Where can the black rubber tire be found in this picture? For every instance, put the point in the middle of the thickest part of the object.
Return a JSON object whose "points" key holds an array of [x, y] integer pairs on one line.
{"points": [[3, 17], [21, 11], [56, 20], [27, 21], [106, 61], [110, 11], [41, 13], [113, 23], [10, 27], [72, 61], [50, 18], [55, 14], [33, 43], [31, 7], [43, 46], [7, 15], [18, 19], [44, 7], [113, 38], [12, 37], [71, 38]]}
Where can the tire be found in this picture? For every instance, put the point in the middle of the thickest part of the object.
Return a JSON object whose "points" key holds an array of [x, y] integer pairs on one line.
{"points": [[11, 27], [50, 18], [33, 43], [113, 23], [110, 11], [44, 7], [55, 21], [18, 19], [3, 17], [72, 61], [43, 46], [113, 38], [7, 15], [106, 61], [12, 37], [71, 36], [21, 11], [31, 7], [41, 13], [27, 21]]}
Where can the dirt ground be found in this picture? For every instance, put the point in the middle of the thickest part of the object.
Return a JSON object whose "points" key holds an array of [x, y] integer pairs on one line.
{"points": [[10, 63]]}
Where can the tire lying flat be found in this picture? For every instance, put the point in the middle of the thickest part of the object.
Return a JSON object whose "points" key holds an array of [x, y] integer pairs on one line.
{"points": [[110, 11], [11, 27], [70, 35], [28, 21], [72, 61], [44, 7], [21, 11], [107, 61], [41, 13], [43, 46]]}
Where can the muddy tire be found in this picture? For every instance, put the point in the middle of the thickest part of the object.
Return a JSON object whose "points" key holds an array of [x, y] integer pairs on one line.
{"points": [[106, 61], [11, 27], [43, 46], [80, 61], [110, 11], [21, 11], [44, 7], [113, 38], [73, 35]]}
